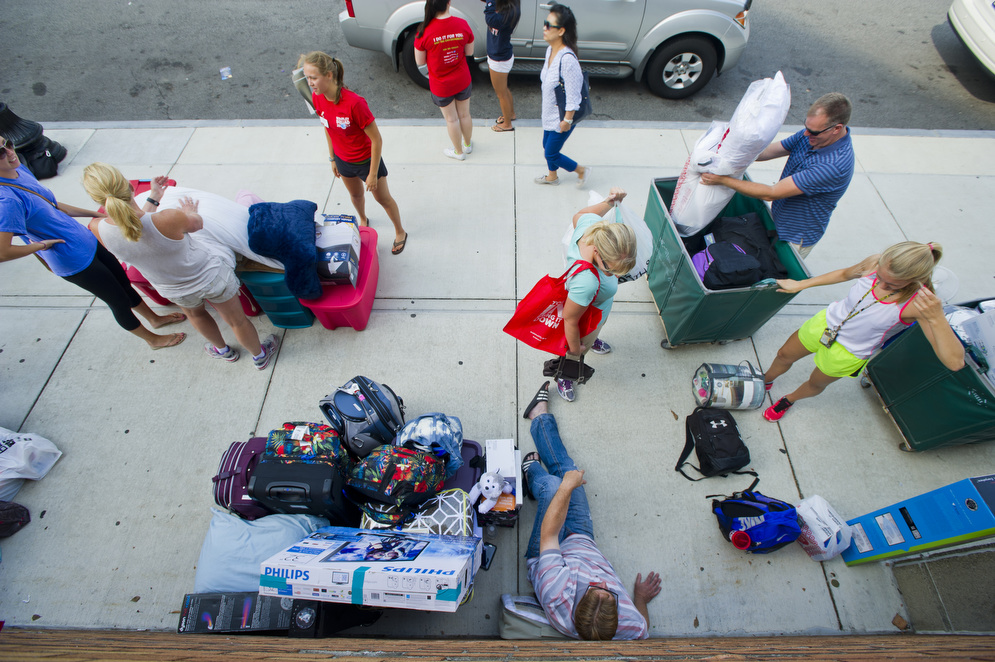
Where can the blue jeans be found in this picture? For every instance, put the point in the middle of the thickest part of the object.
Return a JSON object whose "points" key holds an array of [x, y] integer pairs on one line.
{"points": [[544, 483], [552, 143]]}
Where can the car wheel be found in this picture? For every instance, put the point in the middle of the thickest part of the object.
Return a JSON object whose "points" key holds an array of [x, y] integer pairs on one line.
{"points": [[681, 67], [408, 60]]}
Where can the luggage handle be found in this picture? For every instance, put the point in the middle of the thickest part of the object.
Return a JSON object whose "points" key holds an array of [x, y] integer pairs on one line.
{"points": [[299, 492], [385, 416], [765, 284]]}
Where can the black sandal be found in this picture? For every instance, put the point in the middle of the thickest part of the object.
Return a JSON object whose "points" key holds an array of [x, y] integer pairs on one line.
{"points": [[542, 395], [528, 461]]}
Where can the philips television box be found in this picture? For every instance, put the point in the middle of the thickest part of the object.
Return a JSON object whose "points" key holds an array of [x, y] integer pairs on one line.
{"points": [[383, 568]]}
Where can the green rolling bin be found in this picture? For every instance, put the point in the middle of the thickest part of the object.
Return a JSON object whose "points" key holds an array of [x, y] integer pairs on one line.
{"points": [[690, 312], [931, 405]]}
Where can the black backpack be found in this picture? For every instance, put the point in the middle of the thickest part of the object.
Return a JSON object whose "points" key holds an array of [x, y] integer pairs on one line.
{"points": [[364, 413], [730, 267], [749, 233], [715, 438], [42, 157]]}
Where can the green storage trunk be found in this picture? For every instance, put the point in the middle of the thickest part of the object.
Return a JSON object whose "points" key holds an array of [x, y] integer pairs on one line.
{"points": [[932, 406], [690, 312]]}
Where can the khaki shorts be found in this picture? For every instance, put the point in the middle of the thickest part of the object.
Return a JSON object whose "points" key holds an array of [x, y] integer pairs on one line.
{"points": [[222, 288]]}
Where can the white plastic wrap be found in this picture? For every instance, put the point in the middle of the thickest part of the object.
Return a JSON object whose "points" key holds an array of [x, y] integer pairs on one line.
{"points": [[728, 149], [23, 457], [825, 534]]}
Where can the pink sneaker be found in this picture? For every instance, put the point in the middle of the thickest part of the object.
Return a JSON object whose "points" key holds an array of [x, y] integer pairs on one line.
{"points": [[777, 410]]}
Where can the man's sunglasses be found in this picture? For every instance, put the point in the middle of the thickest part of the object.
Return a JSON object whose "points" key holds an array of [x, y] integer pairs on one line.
{"points": [[821, 131]]}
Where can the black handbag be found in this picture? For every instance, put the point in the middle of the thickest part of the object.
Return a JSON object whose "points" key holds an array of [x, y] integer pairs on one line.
{"points": [[585, 97], [563, 368]]}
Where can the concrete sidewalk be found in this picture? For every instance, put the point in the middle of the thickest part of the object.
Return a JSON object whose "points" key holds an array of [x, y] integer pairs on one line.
{"points": [[118, 523]]}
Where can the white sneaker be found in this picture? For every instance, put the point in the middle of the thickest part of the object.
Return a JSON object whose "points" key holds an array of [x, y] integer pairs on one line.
{"points": [[468, 147], [451, 153]]}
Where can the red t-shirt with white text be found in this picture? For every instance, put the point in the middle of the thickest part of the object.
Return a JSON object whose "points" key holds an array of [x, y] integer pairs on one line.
{"points": [[444, 43], [345, 122]]}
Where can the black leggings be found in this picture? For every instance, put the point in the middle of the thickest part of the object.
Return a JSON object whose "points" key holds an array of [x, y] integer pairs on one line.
{"points": [[105, 279]]}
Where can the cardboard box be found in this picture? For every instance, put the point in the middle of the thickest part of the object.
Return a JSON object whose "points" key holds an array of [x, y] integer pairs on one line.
{"points": [[337, 243], [234, 612], [504, 458], [951, 515], [376, 568]]}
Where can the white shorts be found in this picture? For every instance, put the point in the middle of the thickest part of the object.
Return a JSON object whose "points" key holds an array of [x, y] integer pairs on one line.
{"points": [[221, 289], [502, 67]]}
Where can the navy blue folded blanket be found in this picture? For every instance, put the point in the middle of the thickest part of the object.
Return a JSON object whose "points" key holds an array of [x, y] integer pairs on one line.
{"points": [[285, 231]]}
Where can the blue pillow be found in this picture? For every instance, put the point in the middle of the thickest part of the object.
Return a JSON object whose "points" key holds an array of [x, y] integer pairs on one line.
{"points": [[235, 548]]}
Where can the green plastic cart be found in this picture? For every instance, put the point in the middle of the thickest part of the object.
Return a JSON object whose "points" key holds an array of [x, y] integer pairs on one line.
{"points": [[931, 405], [690, 312]]}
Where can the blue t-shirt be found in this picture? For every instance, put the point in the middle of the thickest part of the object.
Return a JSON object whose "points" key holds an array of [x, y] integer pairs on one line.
{"points": [[26, 215], [581, 288], [823, 176], [499, 28]]}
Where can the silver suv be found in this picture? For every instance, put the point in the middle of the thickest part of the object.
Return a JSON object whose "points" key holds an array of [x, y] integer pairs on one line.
{"points": [[675, 45]]}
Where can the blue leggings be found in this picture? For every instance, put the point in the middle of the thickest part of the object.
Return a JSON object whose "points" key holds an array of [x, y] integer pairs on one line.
{"points": [[552, 143]]}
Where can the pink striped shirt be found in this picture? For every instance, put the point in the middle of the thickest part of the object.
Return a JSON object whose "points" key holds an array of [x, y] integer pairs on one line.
{"points": [[561, 577]]}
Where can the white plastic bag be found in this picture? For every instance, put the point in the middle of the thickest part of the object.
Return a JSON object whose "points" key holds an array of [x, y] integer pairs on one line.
{"points": [[728, 149], [825, 534], [23, 457], [620, 214]]}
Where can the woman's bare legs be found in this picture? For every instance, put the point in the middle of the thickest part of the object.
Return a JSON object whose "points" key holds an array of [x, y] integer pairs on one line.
{"points": [[465, 121], [452, 118], [499, 81], [233, 315], [357, 193]]}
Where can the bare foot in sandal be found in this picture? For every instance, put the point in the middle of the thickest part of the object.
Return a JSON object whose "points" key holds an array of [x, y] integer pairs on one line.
{"points": [[172, 340], [166, 320]]}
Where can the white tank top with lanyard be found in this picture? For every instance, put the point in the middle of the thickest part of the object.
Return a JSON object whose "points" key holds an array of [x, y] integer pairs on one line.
{"points": [[867, 322]]}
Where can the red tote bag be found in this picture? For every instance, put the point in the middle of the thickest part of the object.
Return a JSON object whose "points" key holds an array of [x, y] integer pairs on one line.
{"points": [[538, 319]]}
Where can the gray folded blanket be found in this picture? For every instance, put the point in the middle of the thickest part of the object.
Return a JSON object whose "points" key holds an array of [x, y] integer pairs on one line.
{"points": [[285, 231]]}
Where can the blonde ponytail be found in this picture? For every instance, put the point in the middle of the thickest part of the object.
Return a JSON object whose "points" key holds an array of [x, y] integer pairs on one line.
{"points": [[107, 186]]}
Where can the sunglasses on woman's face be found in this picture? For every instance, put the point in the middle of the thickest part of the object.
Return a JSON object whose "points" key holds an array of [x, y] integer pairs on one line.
{"points": [[549, 26], [7, 144]]}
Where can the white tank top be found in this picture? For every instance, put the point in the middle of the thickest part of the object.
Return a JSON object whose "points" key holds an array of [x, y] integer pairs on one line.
{"points": [[175, 267], [865, 333]]}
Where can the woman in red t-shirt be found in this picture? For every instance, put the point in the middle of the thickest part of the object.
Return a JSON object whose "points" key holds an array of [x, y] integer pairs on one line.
{"points": [[444, 42], [354, 141]]}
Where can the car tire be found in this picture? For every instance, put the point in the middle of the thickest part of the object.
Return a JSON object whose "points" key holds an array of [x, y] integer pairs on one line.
{"points": [[408, 60], [681, 67]]}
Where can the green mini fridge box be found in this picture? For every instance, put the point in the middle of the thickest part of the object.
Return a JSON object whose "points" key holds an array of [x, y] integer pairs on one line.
{"points": [[953, 514], [690, 312], [931, 405]]}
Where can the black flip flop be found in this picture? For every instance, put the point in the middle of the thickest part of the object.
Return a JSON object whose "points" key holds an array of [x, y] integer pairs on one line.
{"points": [[527, 461], [542, 395]]}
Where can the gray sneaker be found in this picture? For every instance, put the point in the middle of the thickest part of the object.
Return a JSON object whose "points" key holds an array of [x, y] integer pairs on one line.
{"points": [[566, 389], [270, 345], [601, 347], [231, 355]]}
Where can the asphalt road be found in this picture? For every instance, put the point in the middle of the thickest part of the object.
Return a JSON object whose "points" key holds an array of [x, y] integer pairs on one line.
{"points": [[113, 60]]}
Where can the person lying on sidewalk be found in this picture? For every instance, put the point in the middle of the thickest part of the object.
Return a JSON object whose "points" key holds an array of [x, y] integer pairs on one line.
{"points": [[893, 291], [578, 588]]}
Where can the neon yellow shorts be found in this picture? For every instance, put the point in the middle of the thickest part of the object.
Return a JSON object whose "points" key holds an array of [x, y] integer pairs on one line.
{"points": [[835, 361]]}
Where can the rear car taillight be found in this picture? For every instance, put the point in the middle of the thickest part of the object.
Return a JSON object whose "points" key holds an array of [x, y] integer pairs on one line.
{"points": [[348, 8]]}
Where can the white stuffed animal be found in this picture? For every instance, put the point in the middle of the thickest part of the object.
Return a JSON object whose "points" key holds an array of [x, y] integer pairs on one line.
{"points": [[491, 485]]}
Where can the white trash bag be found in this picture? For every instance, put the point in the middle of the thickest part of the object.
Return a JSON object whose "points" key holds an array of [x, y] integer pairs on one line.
{"points": [[825, 534], [23, 457], [620, 214], [728, 149]]}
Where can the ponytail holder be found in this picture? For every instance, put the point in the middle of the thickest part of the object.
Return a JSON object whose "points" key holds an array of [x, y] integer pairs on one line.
{"points": [[930, 244]]}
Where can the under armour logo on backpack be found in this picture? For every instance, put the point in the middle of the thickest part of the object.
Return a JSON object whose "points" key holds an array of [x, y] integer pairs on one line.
{"points": [[716, 424]]}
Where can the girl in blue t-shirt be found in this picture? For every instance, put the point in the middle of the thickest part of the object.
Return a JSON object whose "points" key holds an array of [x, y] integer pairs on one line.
{"points": [[611, 248]]}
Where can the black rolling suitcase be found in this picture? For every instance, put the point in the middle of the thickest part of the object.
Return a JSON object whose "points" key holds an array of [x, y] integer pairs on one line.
{"points": [[303, 471]]}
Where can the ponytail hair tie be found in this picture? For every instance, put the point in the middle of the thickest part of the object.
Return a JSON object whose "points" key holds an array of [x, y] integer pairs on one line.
{"points": [[930, 244]]}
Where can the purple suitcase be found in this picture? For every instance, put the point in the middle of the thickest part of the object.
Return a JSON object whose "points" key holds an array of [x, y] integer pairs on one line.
{"points": [[231, 484]]}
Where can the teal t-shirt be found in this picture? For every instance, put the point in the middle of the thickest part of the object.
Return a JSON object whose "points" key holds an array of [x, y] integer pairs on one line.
{"points": [[581, 288]]}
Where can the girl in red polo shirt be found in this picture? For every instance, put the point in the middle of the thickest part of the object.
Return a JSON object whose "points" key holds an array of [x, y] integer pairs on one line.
{"points": [[354, 141], [444, 42]]}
